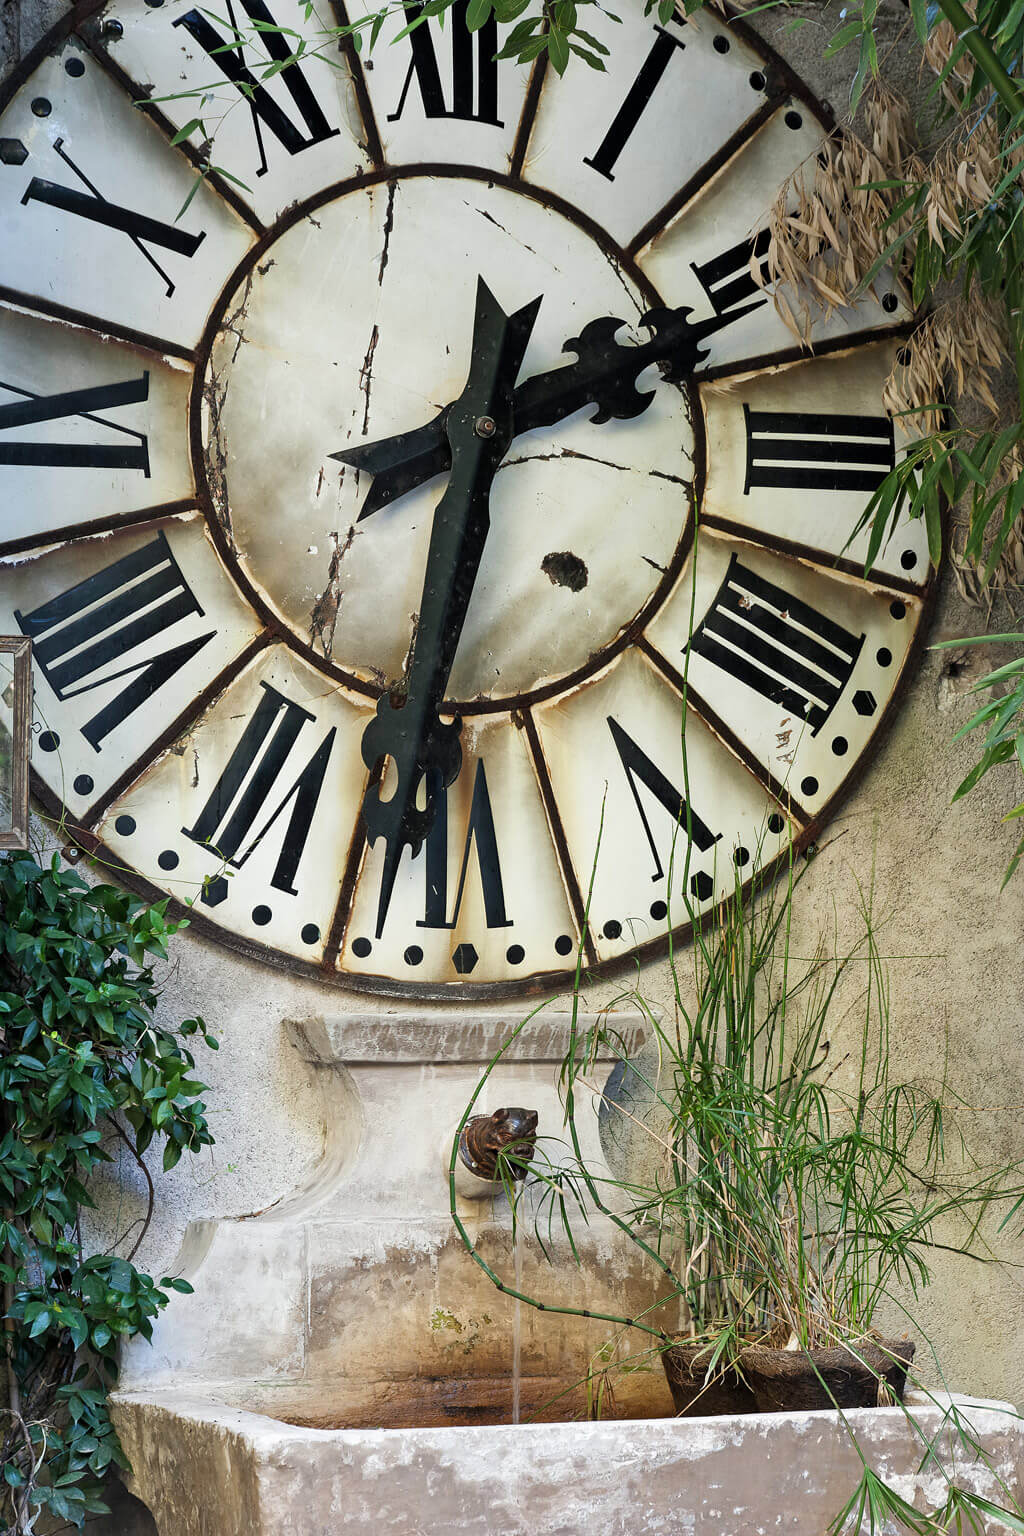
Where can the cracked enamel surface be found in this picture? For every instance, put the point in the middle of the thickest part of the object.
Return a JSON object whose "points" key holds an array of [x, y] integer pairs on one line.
{"points": [[356, 325]]}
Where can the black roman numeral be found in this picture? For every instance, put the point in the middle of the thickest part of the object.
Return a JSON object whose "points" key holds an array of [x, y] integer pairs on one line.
{"points": [[230, 59], [727, 279], [239, 798], [663, 50], [777, 645], [479, 833], [639, 769], [806, 452], [474, 90], [91, 204], [133, 454], [81, 634]]}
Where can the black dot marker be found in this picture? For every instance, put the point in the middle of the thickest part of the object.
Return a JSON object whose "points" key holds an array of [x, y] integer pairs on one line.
{"points": [[884, 656], [75, 68], [84, 784], [49, 741], [721, 44], [613, 928], [898, 610], [515, 954], [794, 120], [125, 825], [776, 823], [840, 746], [908, 559], [261, 916], [413, 955], [361, 948], [809, 786], [563, 944], [168, 859], [741, 857], [658, 910], [311, 933], [890, 303]]}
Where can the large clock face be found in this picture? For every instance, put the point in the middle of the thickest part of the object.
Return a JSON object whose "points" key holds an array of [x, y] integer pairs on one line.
{"points": [[646, 613]]}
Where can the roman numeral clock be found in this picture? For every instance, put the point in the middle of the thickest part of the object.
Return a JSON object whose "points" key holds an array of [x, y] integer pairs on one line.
{"points": [[380, 504]]}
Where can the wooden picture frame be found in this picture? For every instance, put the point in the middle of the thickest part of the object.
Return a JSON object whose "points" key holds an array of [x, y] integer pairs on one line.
{"points": [[16, 743]]}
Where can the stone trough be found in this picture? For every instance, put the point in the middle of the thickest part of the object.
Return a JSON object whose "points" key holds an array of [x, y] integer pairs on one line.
{"points": [[344, 1365]]}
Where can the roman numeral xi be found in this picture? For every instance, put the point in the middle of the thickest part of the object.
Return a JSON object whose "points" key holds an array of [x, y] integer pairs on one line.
{"points": [[230, 60], [782, 648]]}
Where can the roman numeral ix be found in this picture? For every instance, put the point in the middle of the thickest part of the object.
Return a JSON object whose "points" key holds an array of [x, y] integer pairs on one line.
{"points": [[132, 454]]}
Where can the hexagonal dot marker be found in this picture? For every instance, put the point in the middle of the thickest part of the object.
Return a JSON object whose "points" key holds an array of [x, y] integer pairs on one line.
{"points": [[702, 885], [864, 702], [12, 152], [215, 892], [464, 958]]}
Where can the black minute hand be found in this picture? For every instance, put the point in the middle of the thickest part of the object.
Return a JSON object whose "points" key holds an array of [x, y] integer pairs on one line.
{"points": [[478, 429], [604, 374]]}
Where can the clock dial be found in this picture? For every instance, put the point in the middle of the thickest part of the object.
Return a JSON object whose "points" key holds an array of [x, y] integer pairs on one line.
{"points": [[585, 519], [90, 430], [250, 513]]}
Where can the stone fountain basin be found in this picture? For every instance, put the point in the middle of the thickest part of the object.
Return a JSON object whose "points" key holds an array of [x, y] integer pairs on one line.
{"points": [[205, 1469]]}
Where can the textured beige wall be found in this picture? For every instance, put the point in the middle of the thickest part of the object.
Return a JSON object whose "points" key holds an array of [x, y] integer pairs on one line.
{"points": [[957, 970]]}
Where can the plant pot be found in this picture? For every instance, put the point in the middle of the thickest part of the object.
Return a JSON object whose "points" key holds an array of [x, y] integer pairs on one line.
{"points": [[685, 1365], [783, 1379]]}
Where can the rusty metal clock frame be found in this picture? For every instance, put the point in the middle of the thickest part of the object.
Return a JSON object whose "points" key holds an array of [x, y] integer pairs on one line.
{"points": [[781, 84]]}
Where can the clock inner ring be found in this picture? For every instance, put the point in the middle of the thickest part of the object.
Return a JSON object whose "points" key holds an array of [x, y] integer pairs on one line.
{"points": [[356, 324]]}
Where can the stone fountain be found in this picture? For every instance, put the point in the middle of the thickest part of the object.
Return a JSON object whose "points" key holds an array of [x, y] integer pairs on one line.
{"points": [[345, 1365]]}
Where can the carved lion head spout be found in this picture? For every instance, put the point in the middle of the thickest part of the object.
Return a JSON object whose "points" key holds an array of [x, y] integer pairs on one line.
{"points": [[484, 1136]]}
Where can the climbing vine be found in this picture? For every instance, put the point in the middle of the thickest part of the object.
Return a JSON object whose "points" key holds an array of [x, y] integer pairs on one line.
{"points": [[84, 1069]]}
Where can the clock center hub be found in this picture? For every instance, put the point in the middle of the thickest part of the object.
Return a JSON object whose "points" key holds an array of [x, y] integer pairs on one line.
{"points": [[356, 324]]}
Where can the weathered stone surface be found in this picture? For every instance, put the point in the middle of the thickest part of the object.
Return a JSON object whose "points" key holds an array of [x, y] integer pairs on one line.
{"points": [[210, 1471]]}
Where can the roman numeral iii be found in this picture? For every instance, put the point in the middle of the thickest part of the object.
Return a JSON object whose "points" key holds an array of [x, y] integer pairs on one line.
{"points": [[81, 635], [802, 451], [782, 648]]}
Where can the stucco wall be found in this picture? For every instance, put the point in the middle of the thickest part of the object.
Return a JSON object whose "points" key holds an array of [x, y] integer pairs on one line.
{"points": [[957, 969]]}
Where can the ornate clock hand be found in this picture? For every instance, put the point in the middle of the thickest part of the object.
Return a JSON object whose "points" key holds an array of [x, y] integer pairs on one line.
{"points": [[478, 429], [604, 375]]}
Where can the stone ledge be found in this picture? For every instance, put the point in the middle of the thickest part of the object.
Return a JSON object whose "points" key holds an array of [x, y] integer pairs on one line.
{"points": [[447, 1038]]}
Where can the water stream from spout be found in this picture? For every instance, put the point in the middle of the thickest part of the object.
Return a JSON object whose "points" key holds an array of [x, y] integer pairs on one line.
{"points": [[517, 1321]]}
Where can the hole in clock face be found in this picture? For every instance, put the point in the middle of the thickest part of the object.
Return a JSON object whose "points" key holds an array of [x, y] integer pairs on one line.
{"points": [[356, 324]]}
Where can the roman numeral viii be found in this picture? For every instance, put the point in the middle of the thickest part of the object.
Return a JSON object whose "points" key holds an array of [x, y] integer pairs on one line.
{"points": [[802, 451], [230, 60], [479, 832], [80, 637], [664, 48], [240, 799], [782, 648], [639, 769], [130, 454], [474, 93]]}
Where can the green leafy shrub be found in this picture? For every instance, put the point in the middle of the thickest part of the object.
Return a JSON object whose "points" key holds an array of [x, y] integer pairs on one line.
{"points": [[82, 1064]]}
